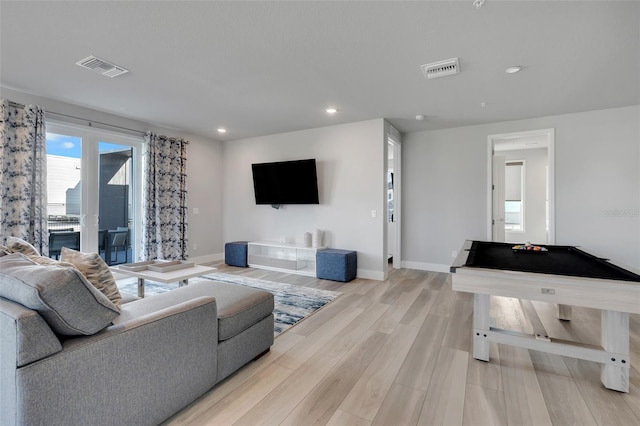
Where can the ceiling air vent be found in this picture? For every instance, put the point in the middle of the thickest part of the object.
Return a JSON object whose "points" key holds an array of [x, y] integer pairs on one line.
{"points": [[101, 66], [441, 68]]}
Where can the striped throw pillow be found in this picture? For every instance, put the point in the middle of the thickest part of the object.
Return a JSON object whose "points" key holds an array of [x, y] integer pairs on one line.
{"points": [[96, 271]]}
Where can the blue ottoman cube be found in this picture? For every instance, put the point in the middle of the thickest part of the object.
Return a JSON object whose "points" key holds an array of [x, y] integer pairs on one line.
{"points": [[235, 254], [336, 264]]}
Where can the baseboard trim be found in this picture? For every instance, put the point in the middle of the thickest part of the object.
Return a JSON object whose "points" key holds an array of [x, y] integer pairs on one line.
{"points": [[207, 258], [370, 275], [434, 267]]}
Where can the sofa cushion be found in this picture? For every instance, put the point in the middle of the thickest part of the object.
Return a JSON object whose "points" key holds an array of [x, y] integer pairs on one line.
{"points": [[61, 295], [95, 270], [239, 307], [18, 245]]}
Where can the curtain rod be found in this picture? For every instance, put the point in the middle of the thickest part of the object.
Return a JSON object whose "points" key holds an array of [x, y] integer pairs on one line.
{"points": [[91, 123]]}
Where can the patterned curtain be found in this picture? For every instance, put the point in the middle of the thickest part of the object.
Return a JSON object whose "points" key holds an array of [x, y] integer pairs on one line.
{"points": [[165, 198], [23, 175]]}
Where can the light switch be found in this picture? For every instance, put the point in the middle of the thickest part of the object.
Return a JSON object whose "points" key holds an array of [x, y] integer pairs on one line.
{"points": [[196, 210], [374, 213]]}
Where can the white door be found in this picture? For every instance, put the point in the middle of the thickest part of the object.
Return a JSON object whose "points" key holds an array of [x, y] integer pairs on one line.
{"points": [[498, 197], [76, 156]]}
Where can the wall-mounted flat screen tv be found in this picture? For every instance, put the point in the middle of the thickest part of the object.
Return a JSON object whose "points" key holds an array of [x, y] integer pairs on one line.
{"points": [[286, 182]]}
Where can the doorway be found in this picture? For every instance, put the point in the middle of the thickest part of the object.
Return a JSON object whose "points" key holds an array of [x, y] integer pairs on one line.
{"points": [[94, 189], [521, 187], [393, 194]]}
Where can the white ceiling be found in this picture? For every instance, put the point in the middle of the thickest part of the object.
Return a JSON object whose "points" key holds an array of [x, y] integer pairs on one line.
{"points": [[261, 68]]}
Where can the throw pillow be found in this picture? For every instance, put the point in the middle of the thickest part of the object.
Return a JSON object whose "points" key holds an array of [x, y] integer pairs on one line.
{"points": [[41, 260], [66, 300], [95, 271], [4, 250], [18, 245]]}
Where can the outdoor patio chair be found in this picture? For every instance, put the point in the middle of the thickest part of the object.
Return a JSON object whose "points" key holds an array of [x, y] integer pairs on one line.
{"points": [[59, 239], [116, 240]]}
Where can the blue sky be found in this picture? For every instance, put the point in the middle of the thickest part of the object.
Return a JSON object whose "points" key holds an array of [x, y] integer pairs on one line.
{"points": [[66, 146], [70, 146]]}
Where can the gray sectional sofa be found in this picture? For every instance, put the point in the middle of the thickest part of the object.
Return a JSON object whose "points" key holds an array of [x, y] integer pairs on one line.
{"points": [[68, 357]]}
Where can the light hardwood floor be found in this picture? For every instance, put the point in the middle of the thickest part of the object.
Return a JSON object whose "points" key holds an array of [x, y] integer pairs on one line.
{"points": [[397, 352]]}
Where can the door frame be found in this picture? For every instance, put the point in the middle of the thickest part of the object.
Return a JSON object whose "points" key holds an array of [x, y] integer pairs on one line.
{"points": [[89, 222], [497, 198], [550, 135], [397, 200]]}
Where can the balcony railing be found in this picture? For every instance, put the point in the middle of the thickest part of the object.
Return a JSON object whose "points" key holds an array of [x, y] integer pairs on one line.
{"points": [[63, 222]]}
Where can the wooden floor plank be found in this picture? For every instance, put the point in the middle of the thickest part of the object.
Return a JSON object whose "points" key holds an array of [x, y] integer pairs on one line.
{"points": [[367, 395], [396, 312], [458, 334], [407, 413], [486, 374], [420, 308], [421, 360], [561, 394], [607, 407], [297, 355], [444, 401], [483, 406], [279, 403], [322, 402], [342, 418], [524, 402], [445, 299]]}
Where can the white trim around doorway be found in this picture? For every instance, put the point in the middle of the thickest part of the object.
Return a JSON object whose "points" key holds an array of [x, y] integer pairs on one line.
{"points": [[550, 136]]}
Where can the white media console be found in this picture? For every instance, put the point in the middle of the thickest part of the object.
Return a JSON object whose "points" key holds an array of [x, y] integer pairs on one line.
{"points": [[291, 258]]}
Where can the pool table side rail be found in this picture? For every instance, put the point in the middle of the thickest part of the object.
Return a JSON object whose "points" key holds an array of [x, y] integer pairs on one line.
{"points": [[613, 295]]}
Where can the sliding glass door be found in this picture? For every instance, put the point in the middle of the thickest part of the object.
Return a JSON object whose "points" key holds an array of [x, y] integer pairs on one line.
{"points": [[94, 191]]}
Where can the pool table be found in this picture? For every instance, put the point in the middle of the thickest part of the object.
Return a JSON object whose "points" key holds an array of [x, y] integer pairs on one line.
{"points": [[564, 275]]}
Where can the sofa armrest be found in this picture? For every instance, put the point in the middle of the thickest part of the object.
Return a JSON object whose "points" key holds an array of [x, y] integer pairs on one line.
{"points": [[140, 370], [25, 333], [24, 337]]}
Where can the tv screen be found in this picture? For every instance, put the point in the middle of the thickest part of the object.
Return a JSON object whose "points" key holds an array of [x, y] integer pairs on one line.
{"points": [[286, 182]]}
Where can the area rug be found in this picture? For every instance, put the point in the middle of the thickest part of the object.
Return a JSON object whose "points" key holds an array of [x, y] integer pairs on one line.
{"points": [[292, 303]]}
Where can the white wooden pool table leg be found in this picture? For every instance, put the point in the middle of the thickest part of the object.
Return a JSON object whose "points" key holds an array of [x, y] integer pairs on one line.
{"points": [[481, 326], [615, 340]]}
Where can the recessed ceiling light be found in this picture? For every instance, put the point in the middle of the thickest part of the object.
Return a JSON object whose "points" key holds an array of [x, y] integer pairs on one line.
{"points": [[331, 110], [222, 130], [513, 70], [419, 117], [483, 104]]}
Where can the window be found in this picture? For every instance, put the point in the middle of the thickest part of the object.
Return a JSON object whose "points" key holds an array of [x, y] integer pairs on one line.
{"points": [[514, 196]]}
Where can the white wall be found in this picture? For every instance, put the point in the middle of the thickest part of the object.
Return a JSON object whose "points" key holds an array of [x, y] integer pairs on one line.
{"points": [[204, 171], [535, 191], [350, 160], [597, 191], [204, 186]]}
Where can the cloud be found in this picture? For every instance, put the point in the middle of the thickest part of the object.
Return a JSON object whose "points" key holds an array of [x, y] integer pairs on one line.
{"points": [[68, 145], [54, 137]]}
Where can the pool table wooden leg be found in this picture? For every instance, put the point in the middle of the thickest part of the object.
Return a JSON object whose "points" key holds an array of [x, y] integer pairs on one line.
{"points": [[481, 326], [615, 340]]}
